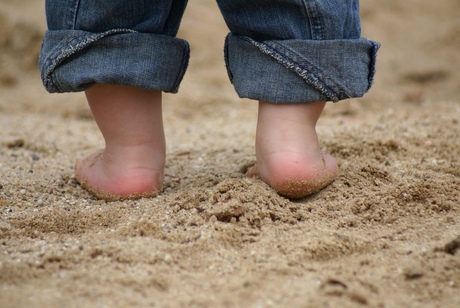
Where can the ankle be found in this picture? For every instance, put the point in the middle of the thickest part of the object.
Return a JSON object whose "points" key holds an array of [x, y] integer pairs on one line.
{"points": [[288, 153]]}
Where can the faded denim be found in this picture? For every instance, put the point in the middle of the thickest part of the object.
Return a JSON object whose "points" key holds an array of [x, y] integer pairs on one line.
{"points": [[279, 51]]}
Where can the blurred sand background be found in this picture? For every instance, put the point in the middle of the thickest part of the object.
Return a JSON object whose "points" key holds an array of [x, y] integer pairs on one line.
{"points": [[384, 234]]}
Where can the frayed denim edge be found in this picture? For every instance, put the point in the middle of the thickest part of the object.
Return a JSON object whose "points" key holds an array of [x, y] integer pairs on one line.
{"points": [[226, 58], [372, 68], [74, 45], [184, 66], [304, 73]]}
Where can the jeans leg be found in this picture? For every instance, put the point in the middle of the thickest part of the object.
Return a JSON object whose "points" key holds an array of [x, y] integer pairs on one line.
{"points": [[113, 42], [297, 51]]}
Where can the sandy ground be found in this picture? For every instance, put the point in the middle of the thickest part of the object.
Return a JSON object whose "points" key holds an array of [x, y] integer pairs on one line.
{"points": [[384, 234]]}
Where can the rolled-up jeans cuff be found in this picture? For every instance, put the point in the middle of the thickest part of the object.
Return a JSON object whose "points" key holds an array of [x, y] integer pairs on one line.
{"points": [[73, 60], [300, 71]]}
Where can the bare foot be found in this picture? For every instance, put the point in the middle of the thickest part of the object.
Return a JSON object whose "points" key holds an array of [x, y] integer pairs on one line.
{"points": [[289, 158], [112, 181], [132, 164]]}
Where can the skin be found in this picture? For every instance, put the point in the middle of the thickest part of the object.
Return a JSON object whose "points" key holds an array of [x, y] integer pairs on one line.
{"points": [[131, 166], [132, 163], [288, 154]]}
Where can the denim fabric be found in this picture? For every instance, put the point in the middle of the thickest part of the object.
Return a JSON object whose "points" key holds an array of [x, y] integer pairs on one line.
{"points": [[279, 51], [113, 42], [290, 51]]}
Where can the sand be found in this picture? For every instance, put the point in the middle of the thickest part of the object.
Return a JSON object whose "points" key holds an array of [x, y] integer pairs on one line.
{"points": [[384, 234]]}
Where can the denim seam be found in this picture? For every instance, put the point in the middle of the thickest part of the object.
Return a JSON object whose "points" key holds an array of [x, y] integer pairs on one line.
{"points": [[226, 58], [375, 48], [75, 12], [75, 44], [185, 62], [307, 17], [313, 16], [305, 70]]}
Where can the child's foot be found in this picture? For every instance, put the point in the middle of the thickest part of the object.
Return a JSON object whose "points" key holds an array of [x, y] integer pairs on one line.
{"points": [[132, 164], [288, 154], [112, 178]]}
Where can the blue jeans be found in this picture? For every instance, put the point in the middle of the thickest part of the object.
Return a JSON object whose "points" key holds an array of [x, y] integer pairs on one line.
{"points": [[279, 51]]}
